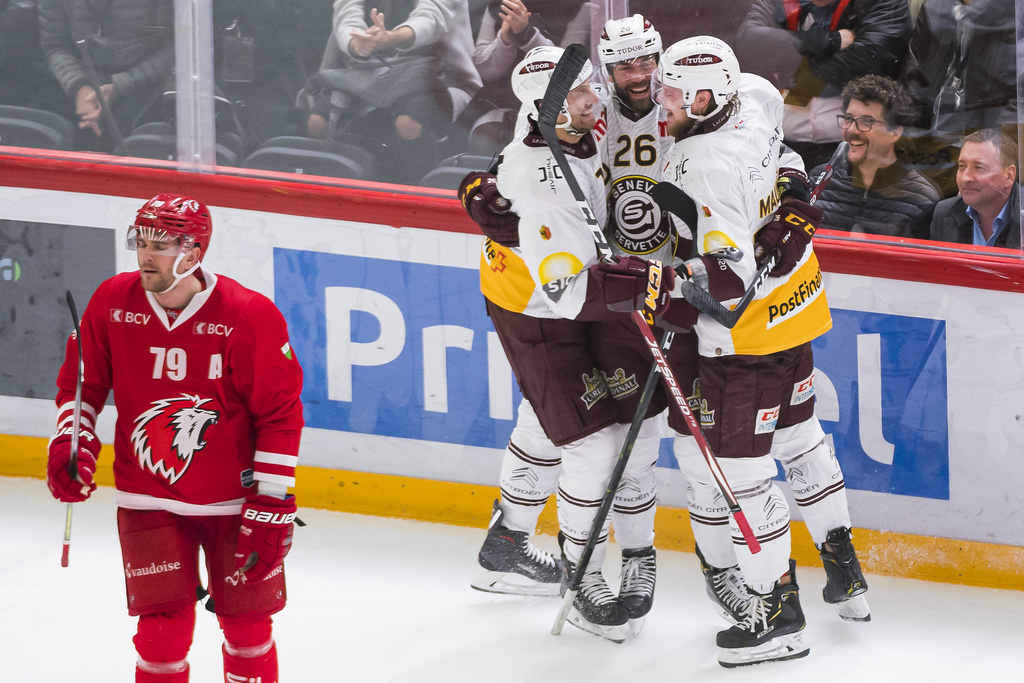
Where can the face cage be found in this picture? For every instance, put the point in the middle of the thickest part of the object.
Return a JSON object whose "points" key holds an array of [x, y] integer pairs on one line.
{"points": [[667, 96], [156, 235]]}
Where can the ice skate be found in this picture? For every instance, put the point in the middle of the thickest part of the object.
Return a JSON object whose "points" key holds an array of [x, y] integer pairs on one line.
{"points": [[770, 629], [845, 583], [514, 566], [726, 589], [636, 587], [595, 609]]}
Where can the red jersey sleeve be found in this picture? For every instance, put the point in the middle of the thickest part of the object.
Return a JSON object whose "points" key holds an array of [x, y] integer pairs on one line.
{"points": [[96, 352], [265, 372]]}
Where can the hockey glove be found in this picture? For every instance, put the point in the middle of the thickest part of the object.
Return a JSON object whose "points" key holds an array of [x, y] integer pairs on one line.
{"points": [[630, 283], [265, 536], [789, 232], [65, 487], [792, 183], [479, 195]]}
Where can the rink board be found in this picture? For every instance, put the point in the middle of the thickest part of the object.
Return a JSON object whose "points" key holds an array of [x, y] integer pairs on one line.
{"points": [[409, 400]]}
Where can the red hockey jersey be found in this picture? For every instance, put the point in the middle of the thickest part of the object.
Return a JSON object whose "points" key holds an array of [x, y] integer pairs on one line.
{"points": [[207, 404]]}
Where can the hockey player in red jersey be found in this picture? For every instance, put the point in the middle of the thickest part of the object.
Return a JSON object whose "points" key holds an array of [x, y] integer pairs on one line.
{"points": [[207, 390]]}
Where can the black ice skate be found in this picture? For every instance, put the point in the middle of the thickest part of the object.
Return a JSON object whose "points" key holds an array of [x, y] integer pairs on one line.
{"points": [[770, 630], [636, 588], [513, 565], [595, 609], [845, 584], [726, 589]]}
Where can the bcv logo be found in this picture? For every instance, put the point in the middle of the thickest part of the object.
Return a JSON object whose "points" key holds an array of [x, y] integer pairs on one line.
{"points": [[212, 329], [118, 315]]}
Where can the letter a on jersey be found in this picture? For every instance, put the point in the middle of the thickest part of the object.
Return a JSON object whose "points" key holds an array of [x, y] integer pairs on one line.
{"points": [[168, 434]]}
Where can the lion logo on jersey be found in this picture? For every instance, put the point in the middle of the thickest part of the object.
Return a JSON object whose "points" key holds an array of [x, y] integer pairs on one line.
{"points": [[168, 434]]}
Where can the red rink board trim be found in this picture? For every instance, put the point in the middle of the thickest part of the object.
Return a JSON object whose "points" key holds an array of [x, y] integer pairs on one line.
{"points": [[404, 206]]}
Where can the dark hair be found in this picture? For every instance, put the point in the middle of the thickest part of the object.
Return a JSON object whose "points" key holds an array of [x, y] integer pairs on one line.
{"points": [[896, 104], [1006, 145]]}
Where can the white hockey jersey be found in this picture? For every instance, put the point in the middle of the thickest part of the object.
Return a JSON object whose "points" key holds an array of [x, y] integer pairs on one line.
{"points": [[546, 276], [731, 174]]}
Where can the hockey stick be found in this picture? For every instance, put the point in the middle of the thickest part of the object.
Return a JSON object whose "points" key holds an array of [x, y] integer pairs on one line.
{"points": [[671, 198], [610, 491], [75, 425], [565, 73]]}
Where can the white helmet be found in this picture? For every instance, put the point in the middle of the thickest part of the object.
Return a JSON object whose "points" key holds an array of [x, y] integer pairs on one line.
{"points": [[625, 39], [531, 76], [701, 63]]}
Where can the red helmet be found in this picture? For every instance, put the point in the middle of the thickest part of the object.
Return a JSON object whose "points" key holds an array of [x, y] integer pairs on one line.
{"points": [[169, 216]]}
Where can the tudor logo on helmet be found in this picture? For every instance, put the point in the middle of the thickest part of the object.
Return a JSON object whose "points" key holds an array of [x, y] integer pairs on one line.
{"points": [[698, 60]]}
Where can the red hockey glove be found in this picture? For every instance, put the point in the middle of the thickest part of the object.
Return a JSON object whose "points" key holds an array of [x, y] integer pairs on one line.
{"points": [[790, 232], [479, 195], [630, 284], [266, 535], [63, 486]]}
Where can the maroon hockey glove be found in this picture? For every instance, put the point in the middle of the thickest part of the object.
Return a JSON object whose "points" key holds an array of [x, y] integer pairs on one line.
{"points": [[790, 232], [792, 183], [266, 535], [479, 195], [624, 284], [63, 486]]}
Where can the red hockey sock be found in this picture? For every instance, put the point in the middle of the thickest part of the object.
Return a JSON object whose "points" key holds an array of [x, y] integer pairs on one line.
{"points": [[250, 664], [148, 672]]}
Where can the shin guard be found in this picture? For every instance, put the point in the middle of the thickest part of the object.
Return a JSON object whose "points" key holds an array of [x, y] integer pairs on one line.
{"points": [[250, 655]]}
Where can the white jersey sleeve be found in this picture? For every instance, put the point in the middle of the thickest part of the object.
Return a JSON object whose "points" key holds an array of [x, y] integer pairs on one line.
{"points": [[556, 245]]}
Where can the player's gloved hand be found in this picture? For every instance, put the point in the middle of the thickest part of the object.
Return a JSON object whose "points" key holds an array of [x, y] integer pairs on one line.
{"points": [[792, 183], [629, 283], [65, 487], [266, 535], [479, 195], [789, 231]]}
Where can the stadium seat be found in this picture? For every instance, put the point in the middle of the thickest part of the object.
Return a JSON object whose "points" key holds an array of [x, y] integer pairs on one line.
{"points": [[452, 170], [37, 128], [343, 153]]}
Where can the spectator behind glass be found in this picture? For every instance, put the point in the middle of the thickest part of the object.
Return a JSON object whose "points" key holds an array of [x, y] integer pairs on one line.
{"points": [[987, 211], [873, 192], [811, 49], [131, 46], [508, 30], [960, 70], [25, 78], [399, 77]]}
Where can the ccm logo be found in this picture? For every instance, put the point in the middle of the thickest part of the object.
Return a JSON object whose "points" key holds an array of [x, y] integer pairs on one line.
{"points": [[269, 517], [119, 316], [212, 328]]}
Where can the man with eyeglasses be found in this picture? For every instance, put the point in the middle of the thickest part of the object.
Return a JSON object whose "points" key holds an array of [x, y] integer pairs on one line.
{"points": [[873, 192]]}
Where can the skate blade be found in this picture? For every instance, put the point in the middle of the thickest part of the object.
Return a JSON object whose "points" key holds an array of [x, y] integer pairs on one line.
{"points": [[775, 650], [616, 634], [636, 625], [510, 583], [854, 609]]}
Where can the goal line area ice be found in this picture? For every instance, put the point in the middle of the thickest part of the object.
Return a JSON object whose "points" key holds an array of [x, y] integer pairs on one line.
{"points": [[376, 599]]}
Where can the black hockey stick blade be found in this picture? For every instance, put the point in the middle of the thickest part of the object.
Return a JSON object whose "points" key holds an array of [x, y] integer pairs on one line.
{"points": [[566, 71], [672, 199], [830, 167]]}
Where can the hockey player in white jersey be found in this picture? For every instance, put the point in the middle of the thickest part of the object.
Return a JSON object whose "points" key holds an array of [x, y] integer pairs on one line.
{"points": [[553, 304], [756, 379], [631, 144]]}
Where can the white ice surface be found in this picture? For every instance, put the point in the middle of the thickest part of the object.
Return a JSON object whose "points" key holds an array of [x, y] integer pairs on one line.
{"points": [[375, 599]]}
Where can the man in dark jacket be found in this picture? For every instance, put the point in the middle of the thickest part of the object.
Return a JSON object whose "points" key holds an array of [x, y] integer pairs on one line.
{"points": [[874, 192], [130, 44], [987, 211], [812, 49]]}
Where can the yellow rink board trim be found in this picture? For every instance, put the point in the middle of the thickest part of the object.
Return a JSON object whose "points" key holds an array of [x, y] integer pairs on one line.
{"points": [[903, 555]]}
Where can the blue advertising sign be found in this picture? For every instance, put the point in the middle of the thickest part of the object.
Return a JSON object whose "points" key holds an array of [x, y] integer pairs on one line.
{"points": [[403, 349]]}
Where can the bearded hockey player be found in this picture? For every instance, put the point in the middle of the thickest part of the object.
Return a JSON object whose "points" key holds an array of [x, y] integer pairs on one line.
{"points": [[206, 442], [756, 379]]}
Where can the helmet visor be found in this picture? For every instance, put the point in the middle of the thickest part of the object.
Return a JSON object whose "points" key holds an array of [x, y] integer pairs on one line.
{"points": [[149, 238], [666, 95]]}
